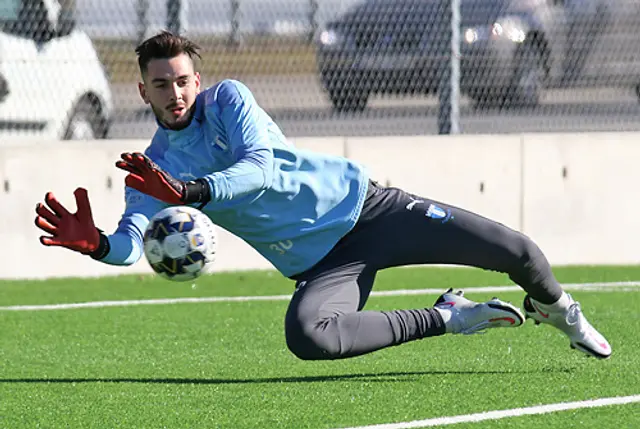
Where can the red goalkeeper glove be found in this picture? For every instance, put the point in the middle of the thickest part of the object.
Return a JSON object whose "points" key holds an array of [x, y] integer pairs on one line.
{"points": [[74, 231], [147, 177]]}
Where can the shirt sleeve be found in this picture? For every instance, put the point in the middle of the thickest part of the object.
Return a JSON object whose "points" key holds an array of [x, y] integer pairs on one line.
{"points": [[247, 129], [126, 243]]}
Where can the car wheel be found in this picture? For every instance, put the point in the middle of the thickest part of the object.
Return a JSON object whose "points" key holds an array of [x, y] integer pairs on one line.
{"points": [[528, 79], [86, 122]]}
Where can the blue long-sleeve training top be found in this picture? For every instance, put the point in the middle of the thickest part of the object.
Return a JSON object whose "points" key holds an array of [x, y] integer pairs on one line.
{"points": [[291, 205]]}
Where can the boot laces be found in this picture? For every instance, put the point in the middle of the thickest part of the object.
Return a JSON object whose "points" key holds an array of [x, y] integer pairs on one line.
{"points": [[573, 315]]}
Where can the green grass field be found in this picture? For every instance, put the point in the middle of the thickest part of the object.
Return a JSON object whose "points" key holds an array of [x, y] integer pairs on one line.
{"points": [[226, 365]]}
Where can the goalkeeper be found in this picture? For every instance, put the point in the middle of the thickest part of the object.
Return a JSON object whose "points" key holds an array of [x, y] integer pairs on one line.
{"points": [[319, 219]]}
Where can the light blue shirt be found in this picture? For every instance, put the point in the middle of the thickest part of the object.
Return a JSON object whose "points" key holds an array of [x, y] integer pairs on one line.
{"points": [[291, 205]]}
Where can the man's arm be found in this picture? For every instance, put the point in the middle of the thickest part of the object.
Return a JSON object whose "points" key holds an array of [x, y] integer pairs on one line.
{"points": [[247, 138], [247, 131], [126, 243]]}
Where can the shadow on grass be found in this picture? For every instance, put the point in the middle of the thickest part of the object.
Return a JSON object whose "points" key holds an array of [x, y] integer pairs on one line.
{"points": [[373, 377]]}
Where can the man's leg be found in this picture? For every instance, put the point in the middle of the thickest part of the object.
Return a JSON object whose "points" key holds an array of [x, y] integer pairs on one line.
{"points": [[324, 320], [403, 229], [400, 229]]}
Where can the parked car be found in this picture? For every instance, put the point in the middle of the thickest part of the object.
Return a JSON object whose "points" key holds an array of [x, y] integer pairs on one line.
{"points": [[509, 49], [52, 83]]}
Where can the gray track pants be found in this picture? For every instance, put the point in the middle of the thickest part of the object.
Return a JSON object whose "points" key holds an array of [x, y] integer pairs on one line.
{"points": [[325, 318]]}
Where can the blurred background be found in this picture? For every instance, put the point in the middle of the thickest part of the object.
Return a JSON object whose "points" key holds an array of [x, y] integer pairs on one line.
{"points": [[331, 67]]}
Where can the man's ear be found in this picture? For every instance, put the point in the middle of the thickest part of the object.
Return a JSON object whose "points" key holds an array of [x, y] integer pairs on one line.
{"points": [[197, 79], [143, 92]]}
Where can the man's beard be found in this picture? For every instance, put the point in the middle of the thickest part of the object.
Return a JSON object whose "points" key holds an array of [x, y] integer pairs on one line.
{"points": [[182, 123]]}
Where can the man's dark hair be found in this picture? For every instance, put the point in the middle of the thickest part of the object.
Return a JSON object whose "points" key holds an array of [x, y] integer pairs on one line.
{"points": [[165, 45]]}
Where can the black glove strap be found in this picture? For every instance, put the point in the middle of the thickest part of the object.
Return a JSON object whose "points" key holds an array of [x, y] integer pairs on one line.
{"points": [[103, 248], [197, 191]]}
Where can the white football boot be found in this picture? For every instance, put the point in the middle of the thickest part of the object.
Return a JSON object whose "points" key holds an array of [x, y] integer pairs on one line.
{"points": [[463, 316], [566, 315]]}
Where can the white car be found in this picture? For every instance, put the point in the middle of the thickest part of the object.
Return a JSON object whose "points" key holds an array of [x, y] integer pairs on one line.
{"points": [[52, 83]]}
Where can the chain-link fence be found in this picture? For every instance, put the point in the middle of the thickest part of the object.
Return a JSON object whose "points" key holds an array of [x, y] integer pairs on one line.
{"points": [[333, 67]]}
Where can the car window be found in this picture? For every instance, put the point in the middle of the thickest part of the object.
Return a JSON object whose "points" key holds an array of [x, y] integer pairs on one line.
{"points": [[30, 19], [8, 12], [66, 17]]}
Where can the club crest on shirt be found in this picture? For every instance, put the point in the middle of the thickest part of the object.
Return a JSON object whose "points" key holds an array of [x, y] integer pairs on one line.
{"points": [[220, 144], [438, 213]]}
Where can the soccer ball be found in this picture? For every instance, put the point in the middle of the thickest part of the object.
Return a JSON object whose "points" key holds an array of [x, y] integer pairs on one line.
{"points": [[180, 243]]}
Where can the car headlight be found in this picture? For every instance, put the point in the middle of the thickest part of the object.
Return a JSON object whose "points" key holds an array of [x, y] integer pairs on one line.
{"points": [[329, 37], [508, 28], [474, 34]]}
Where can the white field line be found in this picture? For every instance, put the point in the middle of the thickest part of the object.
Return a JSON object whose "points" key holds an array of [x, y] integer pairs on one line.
{"points": [[592, 287], [501, 414]]}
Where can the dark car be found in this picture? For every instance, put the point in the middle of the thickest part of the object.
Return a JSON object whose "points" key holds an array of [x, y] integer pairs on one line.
{"points": [[509, 49]]}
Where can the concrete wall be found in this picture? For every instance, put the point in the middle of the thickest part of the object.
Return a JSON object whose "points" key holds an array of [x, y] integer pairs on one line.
{"points": [[574, 194], [580, 196], [482, 173]]}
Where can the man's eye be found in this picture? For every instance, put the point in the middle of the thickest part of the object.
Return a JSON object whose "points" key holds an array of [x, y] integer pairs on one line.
{"points": [[183, 82]]}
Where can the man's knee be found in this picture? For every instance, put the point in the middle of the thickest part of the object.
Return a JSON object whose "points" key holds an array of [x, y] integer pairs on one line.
{"points": [[313, 340], [530, 253], [527, 258]]}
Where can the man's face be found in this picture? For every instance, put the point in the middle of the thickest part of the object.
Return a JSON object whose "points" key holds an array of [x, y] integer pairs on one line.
{"points": [[170, 86]]}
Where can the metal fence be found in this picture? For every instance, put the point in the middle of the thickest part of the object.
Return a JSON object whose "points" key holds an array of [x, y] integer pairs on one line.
{"points": [[350, 67]]}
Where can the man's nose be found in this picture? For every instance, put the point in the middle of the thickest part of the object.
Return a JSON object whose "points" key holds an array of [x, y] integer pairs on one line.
{"points": [[176, 93]]}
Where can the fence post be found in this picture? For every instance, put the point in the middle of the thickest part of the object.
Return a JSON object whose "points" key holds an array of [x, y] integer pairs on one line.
{"points": [[177, 16], [142, 8], [313, 19], [235, 39], [449, 85]]}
